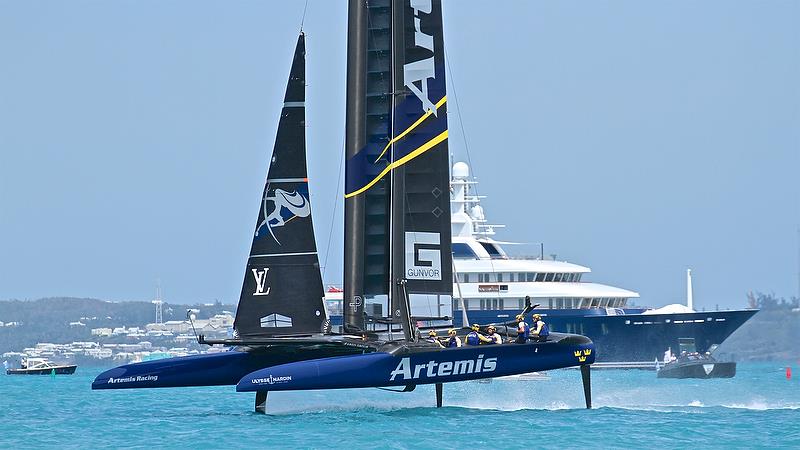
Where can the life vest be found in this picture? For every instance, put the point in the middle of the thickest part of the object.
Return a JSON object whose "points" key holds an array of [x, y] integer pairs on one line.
{"points": [[545, 329], [473, 339], [526, 330], [452, 342]]}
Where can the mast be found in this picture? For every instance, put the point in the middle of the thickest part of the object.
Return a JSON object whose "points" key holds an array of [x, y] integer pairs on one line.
{"points": [[397, 222], [355, 139]]}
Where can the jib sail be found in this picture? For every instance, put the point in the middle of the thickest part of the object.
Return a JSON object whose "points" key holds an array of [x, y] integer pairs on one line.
{"points": [[282, 293]]}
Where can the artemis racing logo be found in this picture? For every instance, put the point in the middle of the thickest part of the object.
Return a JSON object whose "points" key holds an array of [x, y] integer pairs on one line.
{"points": [[442, 369], [418, 72], [423, 256], [137, 378], [272, 380]]}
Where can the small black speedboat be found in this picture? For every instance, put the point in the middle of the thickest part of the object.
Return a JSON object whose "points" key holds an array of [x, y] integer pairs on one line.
{"points": [[41, 366], [696, 365]]}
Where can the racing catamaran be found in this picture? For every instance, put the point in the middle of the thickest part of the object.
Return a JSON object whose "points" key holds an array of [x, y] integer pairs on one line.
{"points": [[397, 242]]}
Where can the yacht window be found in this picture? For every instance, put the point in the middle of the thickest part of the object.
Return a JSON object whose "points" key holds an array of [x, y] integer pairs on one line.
{"points": [[521, 276], [530, 276], [521, 303], [466, 278], [483, 304], [494, 253], [548, 277], [560, 303], [579, 275], [499, 276], [569, 277], [595, 302], [540, 276], [550, 303], [557, 277], [462, 250]]}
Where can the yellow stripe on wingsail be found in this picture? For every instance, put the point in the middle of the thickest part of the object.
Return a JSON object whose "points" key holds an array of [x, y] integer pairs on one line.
{"points": [[422, 149], [413, 125]]}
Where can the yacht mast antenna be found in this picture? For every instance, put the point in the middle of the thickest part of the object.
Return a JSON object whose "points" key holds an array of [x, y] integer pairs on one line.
{"points": [[689, 299]]}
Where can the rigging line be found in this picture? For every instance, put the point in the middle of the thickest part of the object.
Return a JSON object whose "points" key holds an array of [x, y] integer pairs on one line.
{"points": [[335, 204], [458, 113], [303, 20]]}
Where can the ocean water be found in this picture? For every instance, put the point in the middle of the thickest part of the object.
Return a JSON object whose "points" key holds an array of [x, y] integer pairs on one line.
{"points": [[633, 409]]}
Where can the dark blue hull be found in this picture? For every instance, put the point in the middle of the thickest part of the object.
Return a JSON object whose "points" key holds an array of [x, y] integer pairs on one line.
{"points": [[411, 367], [634, 337], [212, 369]]}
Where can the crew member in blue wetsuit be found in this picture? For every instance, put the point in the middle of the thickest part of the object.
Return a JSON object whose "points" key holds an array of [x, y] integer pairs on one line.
{"points": [[433, 338], [453, 339], [494, 336], [540, 329], [475, 337], [523, 330]]}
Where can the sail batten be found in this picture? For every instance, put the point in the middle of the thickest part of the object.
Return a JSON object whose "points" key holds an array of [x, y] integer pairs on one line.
{"points": [[282, 292]]}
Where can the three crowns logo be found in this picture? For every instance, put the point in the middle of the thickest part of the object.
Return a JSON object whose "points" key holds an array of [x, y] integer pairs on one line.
{"points": [[581, 355]]}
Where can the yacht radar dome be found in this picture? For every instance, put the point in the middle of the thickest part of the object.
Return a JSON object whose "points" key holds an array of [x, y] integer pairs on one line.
{"points": [[460, 170]]}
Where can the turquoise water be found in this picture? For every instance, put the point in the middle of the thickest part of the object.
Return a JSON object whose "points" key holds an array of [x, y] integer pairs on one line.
{"points": [[758, 408]]}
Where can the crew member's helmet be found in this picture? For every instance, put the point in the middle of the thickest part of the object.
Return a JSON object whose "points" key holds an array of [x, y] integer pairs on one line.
{"points": [[520, 317], [432, 333], [491, 329], [452, 332], [537, 317], [475, 327]]}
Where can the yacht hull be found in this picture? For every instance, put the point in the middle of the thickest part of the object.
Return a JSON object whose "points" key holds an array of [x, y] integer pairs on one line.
{"points": [[60, 370], [211, 369], [409, 366], [632, 336]]}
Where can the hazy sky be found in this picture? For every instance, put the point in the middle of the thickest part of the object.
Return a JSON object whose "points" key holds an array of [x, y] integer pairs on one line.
{"points": [[637, 138]]}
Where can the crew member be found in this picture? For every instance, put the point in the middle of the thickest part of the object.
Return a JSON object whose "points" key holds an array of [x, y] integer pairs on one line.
{"points": [[494, 336], [453, 340], [433, 338], [540, 329], [475, 337], [523, 330]]}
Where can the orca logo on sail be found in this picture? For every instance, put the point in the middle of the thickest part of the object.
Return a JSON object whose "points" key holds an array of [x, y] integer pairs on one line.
{"points": [[423, 256], [261, 281], [433, 369], [417, 73], [285, 206]]}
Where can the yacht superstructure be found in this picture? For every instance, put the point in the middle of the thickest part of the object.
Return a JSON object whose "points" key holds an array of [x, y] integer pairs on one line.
{"points": [[492, 285]]}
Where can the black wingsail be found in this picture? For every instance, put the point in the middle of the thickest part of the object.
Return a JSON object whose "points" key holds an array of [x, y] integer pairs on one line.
{"points": [[282, 293], [397, 212]]}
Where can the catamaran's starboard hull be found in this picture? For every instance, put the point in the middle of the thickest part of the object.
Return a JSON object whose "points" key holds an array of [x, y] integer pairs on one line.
{"points": [[404, 368]]}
